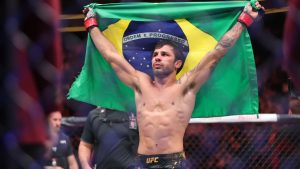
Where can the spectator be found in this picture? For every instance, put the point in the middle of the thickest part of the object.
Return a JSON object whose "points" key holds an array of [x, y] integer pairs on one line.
{"points": [[61, 150]]}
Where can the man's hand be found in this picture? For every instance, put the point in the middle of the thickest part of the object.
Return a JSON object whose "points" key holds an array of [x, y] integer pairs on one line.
{"points": [[251, 11], [88, 13], [90, 18], [249, 14]]}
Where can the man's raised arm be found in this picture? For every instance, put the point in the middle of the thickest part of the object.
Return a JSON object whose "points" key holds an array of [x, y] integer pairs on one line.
{"points": [[201, 72], [124, 70]]}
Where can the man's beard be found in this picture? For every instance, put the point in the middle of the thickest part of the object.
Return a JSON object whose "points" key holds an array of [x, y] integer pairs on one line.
{"points": [[162, 72]]}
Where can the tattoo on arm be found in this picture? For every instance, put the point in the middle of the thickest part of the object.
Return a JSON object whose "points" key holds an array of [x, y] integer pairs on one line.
{"points": [[230, 38], [226, 42]]}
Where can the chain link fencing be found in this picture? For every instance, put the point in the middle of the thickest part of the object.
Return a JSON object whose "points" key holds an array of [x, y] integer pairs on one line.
{"points": [[232, 145]]}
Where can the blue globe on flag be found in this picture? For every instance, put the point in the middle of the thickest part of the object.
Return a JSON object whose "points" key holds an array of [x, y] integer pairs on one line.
{"points": [[140, 38]]}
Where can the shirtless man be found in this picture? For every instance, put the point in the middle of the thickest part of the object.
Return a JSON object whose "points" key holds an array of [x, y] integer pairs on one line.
{"points": [[164, 104]]}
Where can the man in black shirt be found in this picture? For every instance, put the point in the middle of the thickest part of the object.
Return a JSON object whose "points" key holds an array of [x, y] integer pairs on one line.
{"points": [[109, 140]]}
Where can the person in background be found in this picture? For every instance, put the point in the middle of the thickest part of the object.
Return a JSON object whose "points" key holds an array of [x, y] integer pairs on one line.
{"points": [[109, 140], [60, 153]]}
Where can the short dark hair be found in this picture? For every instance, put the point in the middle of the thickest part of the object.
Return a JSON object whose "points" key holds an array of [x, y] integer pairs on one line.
{"points": [[178, 53]]}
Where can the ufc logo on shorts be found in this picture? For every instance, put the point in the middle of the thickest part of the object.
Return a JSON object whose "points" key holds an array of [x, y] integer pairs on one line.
{"points": [[151, 160]]}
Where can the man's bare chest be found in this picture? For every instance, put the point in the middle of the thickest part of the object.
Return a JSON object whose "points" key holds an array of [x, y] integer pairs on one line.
{"points": [[160, 98]]}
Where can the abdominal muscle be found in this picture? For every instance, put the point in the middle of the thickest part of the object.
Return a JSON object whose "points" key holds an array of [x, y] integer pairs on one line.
{"points": [[162, 116], [161, 132]]}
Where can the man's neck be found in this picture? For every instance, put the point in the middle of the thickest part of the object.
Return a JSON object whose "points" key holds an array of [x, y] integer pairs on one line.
{"points": [[164, 82]]}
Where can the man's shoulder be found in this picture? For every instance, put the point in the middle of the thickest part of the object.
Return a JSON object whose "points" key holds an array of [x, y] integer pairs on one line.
{"points": [[144, 77]]}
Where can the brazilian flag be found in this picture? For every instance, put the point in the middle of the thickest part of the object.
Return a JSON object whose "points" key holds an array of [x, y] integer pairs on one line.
{"points": [[134, 29]]}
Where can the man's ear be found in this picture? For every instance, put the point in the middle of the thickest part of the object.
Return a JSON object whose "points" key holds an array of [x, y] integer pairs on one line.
{"points": [[178, 64]]}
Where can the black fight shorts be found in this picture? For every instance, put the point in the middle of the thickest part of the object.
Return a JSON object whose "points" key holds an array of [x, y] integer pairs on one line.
{"points": [[160, 161]]}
